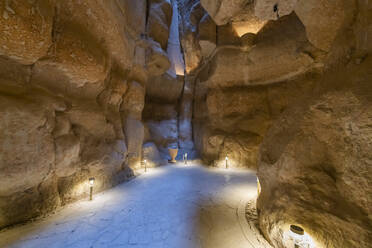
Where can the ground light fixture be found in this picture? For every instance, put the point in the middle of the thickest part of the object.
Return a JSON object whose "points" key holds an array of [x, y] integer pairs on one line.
{"points": [[145, 162], [297, 234], [258, 187], [185, 158], [227, 161], [91, 183]]}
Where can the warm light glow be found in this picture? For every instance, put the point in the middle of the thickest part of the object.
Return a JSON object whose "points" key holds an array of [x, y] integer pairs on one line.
{"points": [[91, 181], [294, 238], [230, 161], [244, 27], [258, 187], [145, 163]]}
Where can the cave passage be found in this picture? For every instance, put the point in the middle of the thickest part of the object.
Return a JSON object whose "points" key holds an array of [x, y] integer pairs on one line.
{"points": [[172, 206], [269, 100]]}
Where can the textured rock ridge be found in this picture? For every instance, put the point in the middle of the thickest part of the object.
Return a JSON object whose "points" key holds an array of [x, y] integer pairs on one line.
{"points": [[289, 97], [72, 90], [311, 172]]}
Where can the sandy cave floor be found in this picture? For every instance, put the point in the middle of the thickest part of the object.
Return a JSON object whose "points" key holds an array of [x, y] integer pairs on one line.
{"points": [[170, 207]]}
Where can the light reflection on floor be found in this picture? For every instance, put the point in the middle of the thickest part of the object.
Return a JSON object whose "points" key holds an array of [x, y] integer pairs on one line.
{"points": [[174, 206]]}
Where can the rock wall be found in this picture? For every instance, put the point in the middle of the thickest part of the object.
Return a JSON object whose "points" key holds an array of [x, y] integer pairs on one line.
{"points": [[164, 90], [72, 87], [315, 169], [168, 109], [293, 100], [315, 162], [245, 83]]}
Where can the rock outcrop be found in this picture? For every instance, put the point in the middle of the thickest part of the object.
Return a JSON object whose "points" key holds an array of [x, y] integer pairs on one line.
{"points": [[315, 167], [315, 161], [72, 83], [322, 19], [159, 21], [291, 99], [235, 97], [312, 132]]}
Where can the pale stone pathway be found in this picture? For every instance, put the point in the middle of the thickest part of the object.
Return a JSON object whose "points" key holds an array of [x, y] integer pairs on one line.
{"points": [[168, 207]]}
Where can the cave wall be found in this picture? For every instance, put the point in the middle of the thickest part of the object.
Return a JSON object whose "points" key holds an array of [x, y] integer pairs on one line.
{"points": [[245, 85], [245, 80], [72, 87], [315, 162], [86, 90], [293, 101], [164, 90]]}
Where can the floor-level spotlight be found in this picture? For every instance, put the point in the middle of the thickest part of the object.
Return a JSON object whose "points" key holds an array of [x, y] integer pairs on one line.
{"points": [[91, 183], [227, 161], [145, 162], [297, 234], [258, 187]]}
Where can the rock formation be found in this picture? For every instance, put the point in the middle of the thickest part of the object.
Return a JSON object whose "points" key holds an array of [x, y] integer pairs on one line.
{"points": [[293, 100], [94, 88], [72, 89]]}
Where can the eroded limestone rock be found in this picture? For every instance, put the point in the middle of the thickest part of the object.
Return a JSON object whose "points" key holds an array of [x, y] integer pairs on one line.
{"points": [[72, 73], [151, 154], [27, 149], [223, 11], [157, 60], [273, 9], [314, 170], [165, 87], [26, 29], [278, 55], [323, 20], [159, 21]]}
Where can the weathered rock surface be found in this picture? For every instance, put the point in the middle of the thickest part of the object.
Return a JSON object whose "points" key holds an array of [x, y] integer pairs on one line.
{"points": [[159, 21], [71, 88], [151, 154], [314, 163], [191, 13], [236, 99], [232, 122], [223, 11], [322, 19], [157, 60], [207, 35], [279, 54], [26, 30], [240, 13], [165, 88], [273, 10], [92, 88], [162, 122], [293, 100], [315, 170], [27, 145]]}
